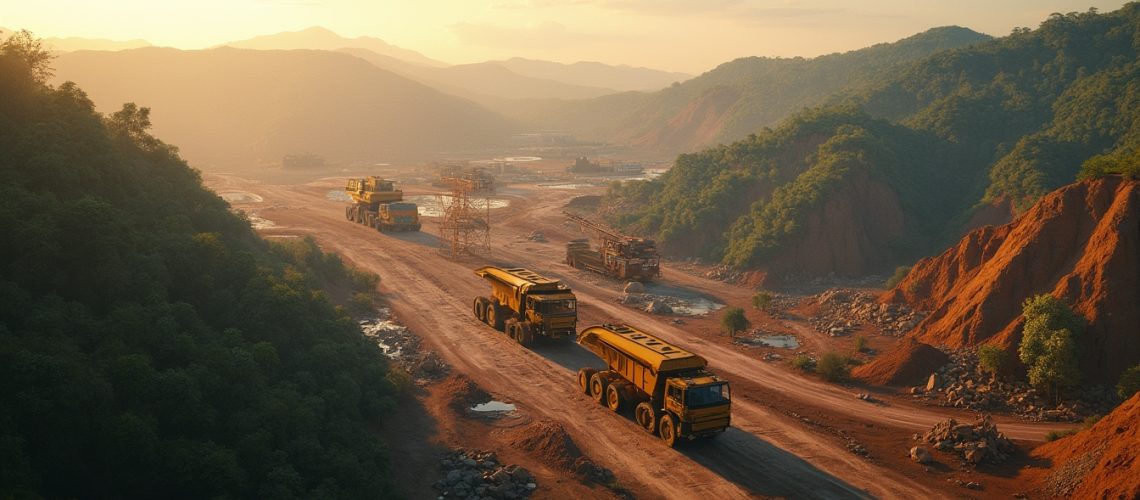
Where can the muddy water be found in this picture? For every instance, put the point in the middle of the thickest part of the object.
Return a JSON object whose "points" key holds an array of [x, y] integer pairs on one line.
{"points": [[493, 406], [430, 206], [240, 197]]}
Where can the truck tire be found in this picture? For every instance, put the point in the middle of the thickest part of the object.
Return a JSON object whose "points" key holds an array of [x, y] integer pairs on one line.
{"points": [[347, 213], [479, 309], [526, 333], [598, 384], [646, 416], [584, 375], [614, 398], [495, 315], [667, 429]]}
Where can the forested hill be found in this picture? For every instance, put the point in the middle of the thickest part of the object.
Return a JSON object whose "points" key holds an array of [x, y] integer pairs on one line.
{"points": [[898, 171], [738, 97], [151, 346]]}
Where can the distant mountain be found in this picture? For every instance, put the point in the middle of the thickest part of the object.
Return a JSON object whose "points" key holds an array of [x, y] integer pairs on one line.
{"points": [[737, 98], [73, 43], [594, 74], [319, 38], [480, 81], [236, 107]]}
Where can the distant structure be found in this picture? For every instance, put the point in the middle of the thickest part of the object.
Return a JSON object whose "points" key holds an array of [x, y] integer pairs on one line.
{"points": [[465, 228], [583, 165]]}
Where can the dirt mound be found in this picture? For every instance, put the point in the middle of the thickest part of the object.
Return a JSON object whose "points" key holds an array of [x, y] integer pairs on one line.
{"points": [[1100, 462], [1081, 243], [909, 363], [461, 393], [548, 441]]}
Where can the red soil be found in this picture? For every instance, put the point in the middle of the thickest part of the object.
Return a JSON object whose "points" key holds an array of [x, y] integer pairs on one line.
{"points": [[1100, 462], [908, 364], [1081, 243]]}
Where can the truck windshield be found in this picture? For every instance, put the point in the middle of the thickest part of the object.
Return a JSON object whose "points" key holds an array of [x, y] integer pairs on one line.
{"points": [[707, 395], [557, 306]]}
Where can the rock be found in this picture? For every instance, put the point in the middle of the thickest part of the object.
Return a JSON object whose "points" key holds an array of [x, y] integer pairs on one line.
{"points": [[634, 287], [916, 390], [658, 307], [975, 455], [921, 455], [932, 382]]}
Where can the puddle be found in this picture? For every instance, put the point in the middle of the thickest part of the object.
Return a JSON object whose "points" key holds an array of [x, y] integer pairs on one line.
{"points": [[430, 205], [391, 336], [338, 195], [781, 341], [240, 197], [683, 302], [696, 307], [280, 236], [569, 185], [519, 159], [258, 222], [493, 407]]}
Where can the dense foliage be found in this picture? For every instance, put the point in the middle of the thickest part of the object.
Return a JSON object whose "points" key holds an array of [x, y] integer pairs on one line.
{"points": [[1049, 343], [1009, 119], [150, 344]]}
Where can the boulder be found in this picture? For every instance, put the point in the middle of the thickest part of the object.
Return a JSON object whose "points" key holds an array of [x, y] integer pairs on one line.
{"points": [[634, 287], [921, 455], [932, 382], [658, 307]]}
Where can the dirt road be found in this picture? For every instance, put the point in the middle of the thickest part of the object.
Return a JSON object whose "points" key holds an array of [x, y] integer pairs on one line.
{"points": [[766, 453]]}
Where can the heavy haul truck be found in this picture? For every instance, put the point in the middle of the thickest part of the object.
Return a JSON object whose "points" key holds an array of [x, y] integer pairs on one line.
{"points": [[672, 394], [376, 203], [525, 305]]}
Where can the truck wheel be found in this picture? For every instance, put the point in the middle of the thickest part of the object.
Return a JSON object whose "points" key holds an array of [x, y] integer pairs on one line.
{"points": [[667, 429], [598, 385], [614, 401], [495, 315], [477, 308], [645, 416], [584, 375], [348, 213], [526, 333]]}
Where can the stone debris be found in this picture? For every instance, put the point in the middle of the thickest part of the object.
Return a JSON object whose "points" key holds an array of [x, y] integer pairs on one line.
{"points": [[975, 442], [658, 307], [403, 346], [921, 455], [962, 384], [536, 236], [478, 474], [843, 311], [634, 287]]}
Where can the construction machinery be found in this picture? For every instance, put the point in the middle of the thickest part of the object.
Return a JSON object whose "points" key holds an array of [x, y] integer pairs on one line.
{"points": [[525, 305], [618, 256], [378, 204], [672, 394]]}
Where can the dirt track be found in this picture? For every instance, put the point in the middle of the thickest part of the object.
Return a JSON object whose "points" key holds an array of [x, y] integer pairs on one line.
{"points": [[766, 453]]}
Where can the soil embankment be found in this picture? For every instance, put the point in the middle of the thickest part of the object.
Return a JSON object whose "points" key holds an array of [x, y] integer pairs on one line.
{"points": [[1099, 462]]}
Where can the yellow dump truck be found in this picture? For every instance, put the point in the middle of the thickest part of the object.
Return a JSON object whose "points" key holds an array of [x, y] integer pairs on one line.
{"points": [[672, 394], [526, 305], [376, 203]]}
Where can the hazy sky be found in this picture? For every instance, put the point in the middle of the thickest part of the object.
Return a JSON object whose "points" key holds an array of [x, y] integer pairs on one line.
{"points": [[679, 35]]}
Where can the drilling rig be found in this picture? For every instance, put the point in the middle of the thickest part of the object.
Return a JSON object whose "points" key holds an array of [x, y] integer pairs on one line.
{"points": [[617, 256], [465, 228], [376, 203]]}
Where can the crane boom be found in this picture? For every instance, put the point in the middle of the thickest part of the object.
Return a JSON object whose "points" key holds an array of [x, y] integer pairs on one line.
{"points": [[589, 224]]}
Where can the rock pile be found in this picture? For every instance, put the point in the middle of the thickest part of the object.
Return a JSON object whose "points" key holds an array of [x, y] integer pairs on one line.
{"points": [[976, 442], [656, 304], [479, 475], [536, 236], [962, 384], [842, 311]]}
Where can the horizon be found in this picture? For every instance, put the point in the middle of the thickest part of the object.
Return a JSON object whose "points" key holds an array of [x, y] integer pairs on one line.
{"points": [[637, 33]]}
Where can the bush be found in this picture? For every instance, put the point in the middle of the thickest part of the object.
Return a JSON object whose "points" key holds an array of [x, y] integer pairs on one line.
{"points": [[803, 362], [860, 343], [900, 273], [362, 303], [761, 300], [1049, 343], [1129, 383], [991, 358], [1085, 424], [734, 321], [834, 367]]}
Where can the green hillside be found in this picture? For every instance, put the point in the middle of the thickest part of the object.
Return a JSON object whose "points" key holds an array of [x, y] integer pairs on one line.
{"points": [[1011, 118], [737, 98], [151, 346]]}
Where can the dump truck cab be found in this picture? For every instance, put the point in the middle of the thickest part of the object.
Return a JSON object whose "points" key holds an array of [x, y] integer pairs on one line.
{"points": [[526, 305], [674, 395]]}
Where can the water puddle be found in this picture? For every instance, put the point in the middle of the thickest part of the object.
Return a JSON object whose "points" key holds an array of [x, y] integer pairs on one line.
{"points": [[391, 336], [519, 159], [258, 222], [431, 206], [338, 195], [240, 197], [780, 341], [696, 307], [567, 185], [493, 407]]}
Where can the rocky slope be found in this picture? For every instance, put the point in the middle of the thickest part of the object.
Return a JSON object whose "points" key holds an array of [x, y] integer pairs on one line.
{"points": [[1081, 243], [1099, 462]]}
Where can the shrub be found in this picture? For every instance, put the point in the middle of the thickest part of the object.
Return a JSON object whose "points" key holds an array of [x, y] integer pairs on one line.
{"points": [[833, 367], [762, 300], [1129, 383], [900, 273], [362, 302], [734, 321], [991, 358], [803, 362], [860, 343]]}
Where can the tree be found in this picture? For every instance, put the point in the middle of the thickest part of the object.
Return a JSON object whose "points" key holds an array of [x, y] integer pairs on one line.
{"points": [[1049, 343], [761, 300], [991, 358], [29, 50], [1129, 383], [734, 321], [833, 366]]}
